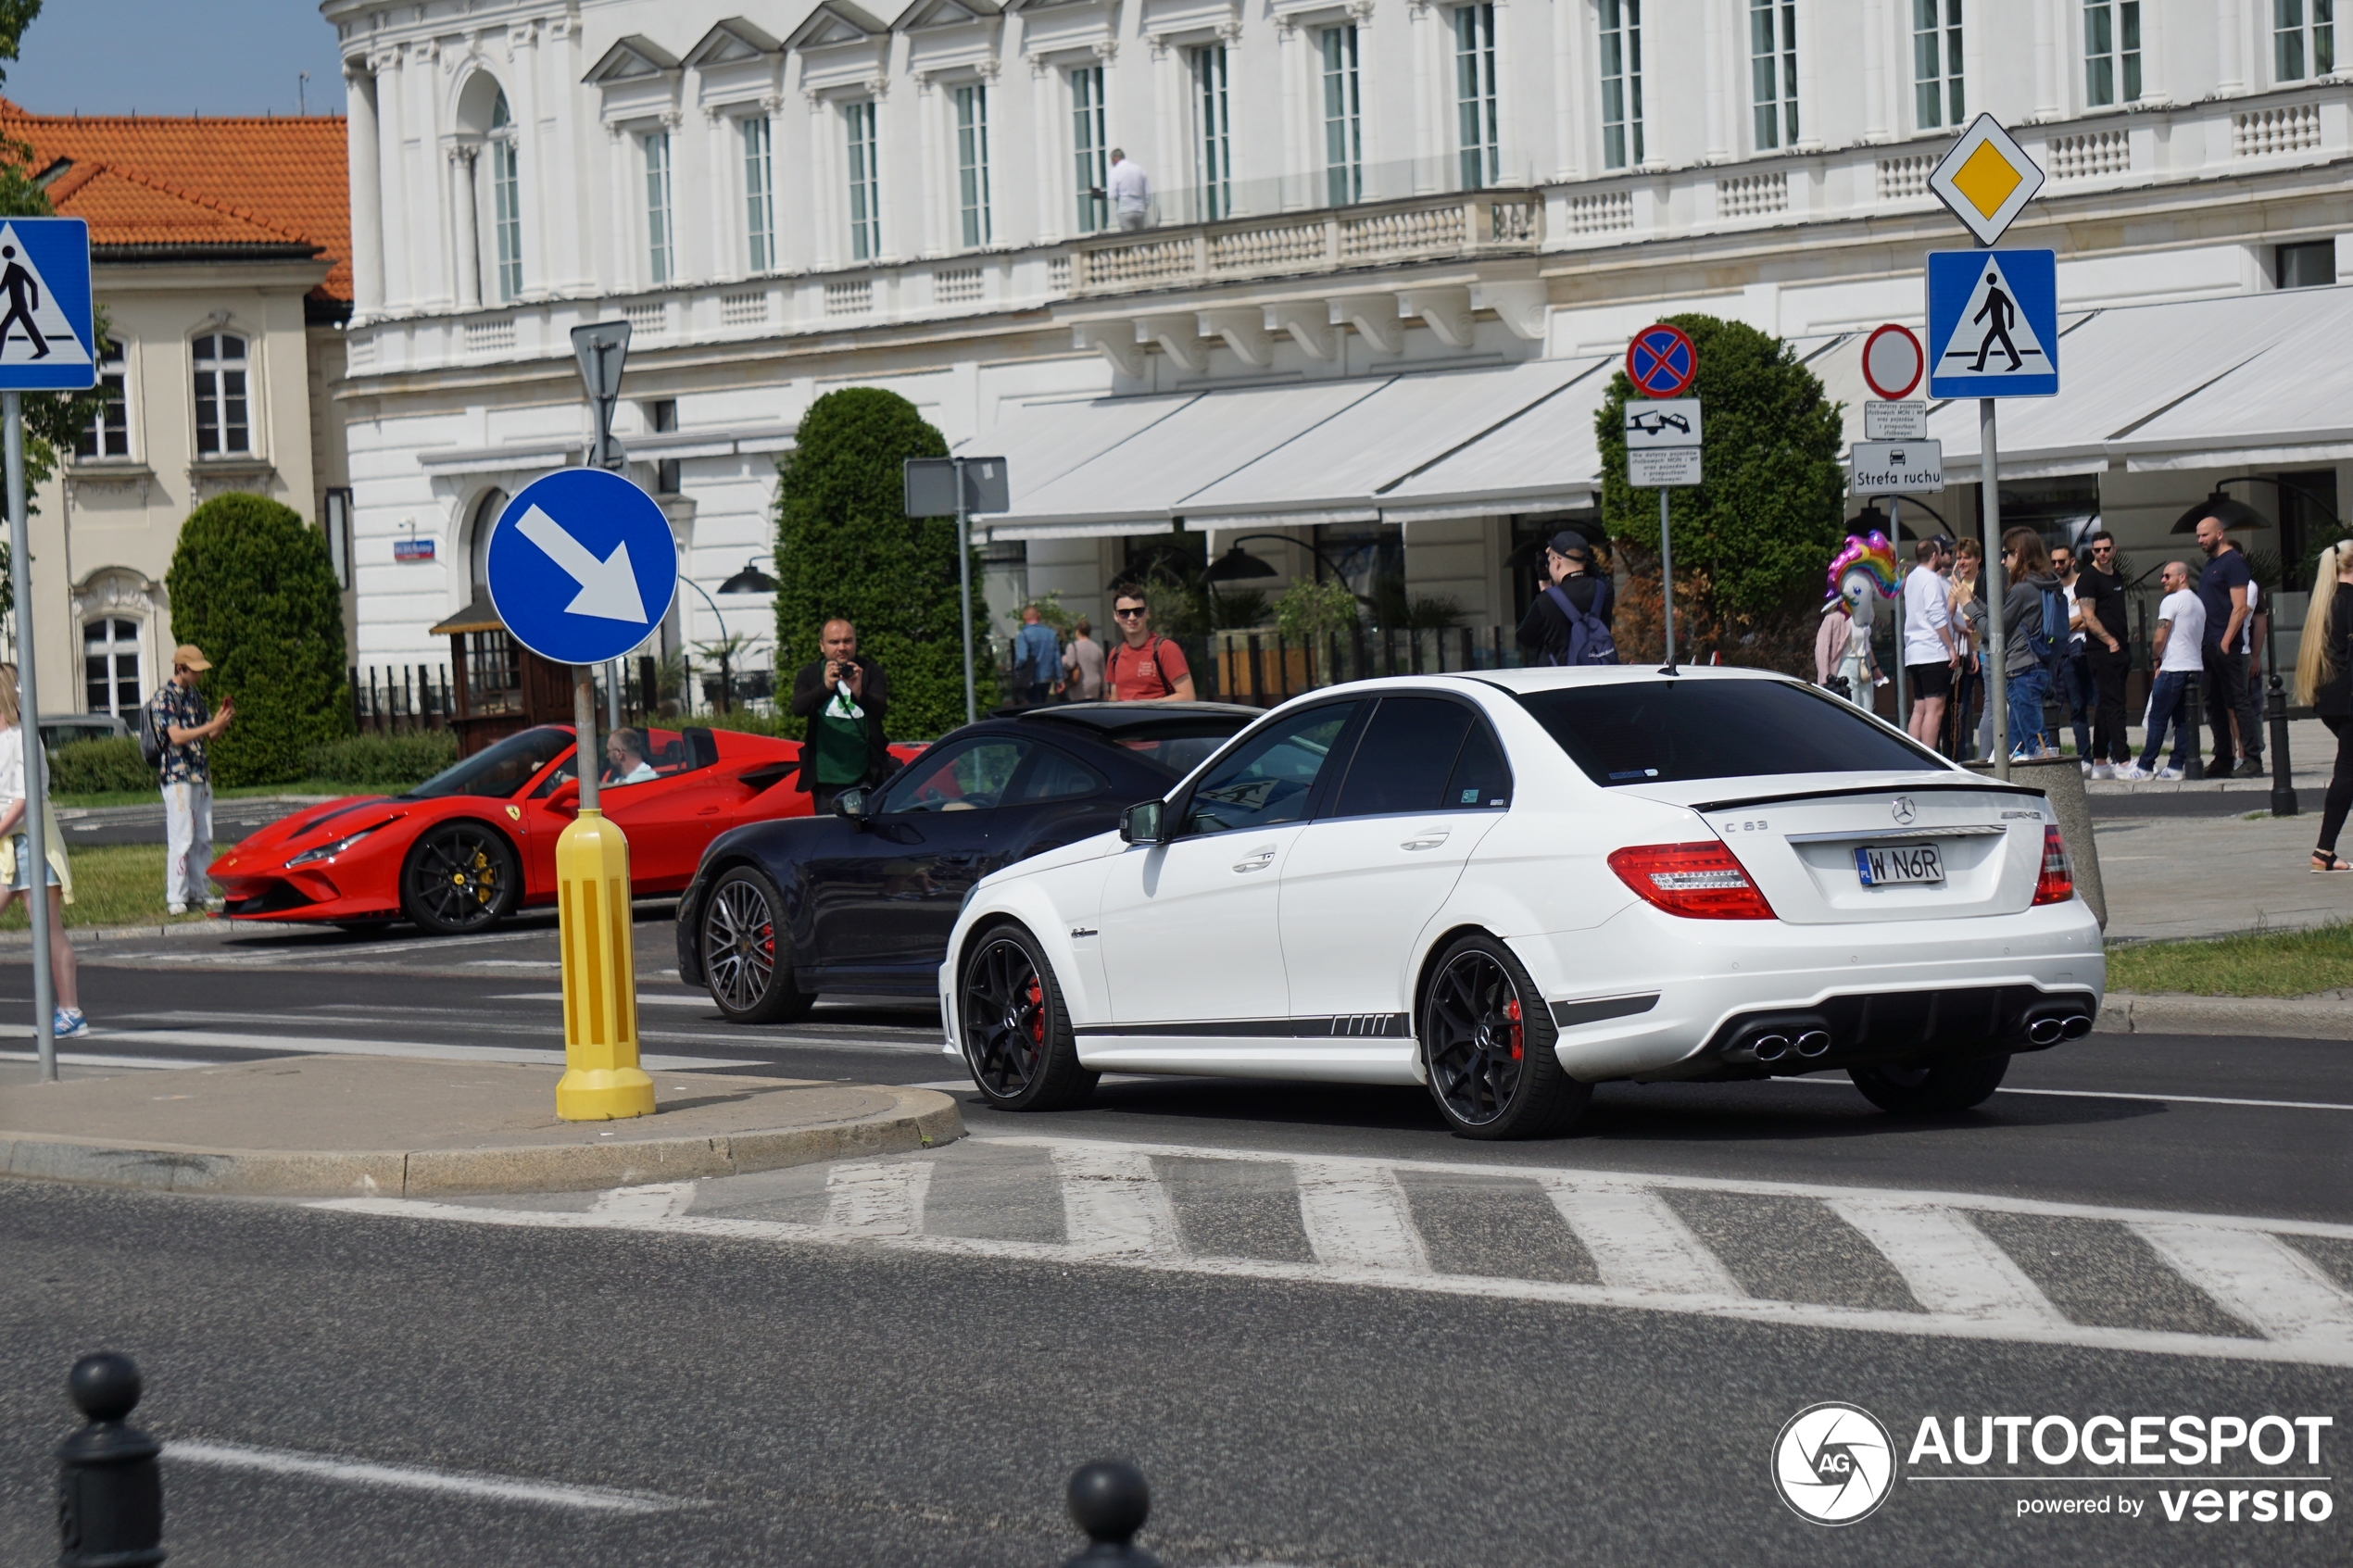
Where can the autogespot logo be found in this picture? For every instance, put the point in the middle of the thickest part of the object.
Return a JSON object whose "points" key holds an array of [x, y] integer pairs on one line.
{"points": [[1833, 1463]]}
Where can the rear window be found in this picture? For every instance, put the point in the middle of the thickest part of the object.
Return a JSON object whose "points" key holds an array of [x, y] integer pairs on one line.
{"points": [[1664, 731], [1177, 747]]}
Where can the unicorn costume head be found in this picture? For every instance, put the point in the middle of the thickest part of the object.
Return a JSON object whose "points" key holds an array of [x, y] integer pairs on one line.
{"points": [[1867, 563]]}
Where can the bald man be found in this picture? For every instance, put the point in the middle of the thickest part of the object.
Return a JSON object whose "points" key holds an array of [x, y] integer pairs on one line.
{"points": [[844, 697]]}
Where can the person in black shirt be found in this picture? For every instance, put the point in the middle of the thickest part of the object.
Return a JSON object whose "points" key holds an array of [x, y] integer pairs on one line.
{"points": [[2324, 680], [2099, 596], [1568, 565]]}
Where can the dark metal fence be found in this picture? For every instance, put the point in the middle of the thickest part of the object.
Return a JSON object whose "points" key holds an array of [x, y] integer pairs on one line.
{"points": [[400, 699], [1263, 669]]}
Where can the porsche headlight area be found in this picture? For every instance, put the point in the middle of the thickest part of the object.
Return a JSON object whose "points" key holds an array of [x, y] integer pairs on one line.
{"points": [[1510, 887]]}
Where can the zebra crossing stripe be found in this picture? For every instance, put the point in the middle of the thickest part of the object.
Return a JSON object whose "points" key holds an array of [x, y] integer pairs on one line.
{"points": [[1112, 1204], [1638, 1243], [877, 1198], [2253, 1278], [1358, 1218], [1950, 1265]]}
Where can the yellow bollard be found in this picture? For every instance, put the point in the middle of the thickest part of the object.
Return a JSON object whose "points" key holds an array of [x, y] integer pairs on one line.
{"points": [[602, 1081]]}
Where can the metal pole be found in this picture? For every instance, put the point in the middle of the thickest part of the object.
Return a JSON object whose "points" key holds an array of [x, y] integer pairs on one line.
{"points": [[2275, 710], [1895, 531], [1997, 642], [36, 783], [583, 723], [1667, 580], [965, 586], [612, 695]]}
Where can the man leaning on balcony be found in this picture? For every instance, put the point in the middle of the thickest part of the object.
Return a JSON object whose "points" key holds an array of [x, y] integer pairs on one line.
{"points": [[1131, 192]]}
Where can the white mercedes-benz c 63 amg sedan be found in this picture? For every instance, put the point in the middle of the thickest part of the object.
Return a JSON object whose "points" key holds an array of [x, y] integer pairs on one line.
{"points": [[1513, 886]]}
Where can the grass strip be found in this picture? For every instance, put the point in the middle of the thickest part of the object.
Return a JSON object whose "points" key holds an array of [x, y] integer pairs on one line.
{"points": [[2254, 963], [113, 884]]}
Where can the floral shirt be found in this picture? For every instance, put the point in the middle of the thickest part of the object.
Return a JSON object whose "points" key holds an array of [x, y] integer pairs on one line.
{"points": [[178, 707]]}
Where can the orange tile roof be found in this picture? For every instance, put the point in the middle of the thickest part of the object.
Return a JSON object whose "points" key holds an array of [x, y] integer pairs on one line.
{"points": [[231, 181]]}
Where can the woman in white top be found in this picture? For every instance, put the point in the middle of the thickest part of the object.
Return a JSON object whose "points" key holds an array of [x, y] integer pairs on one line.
{"points": [[15, 854]]}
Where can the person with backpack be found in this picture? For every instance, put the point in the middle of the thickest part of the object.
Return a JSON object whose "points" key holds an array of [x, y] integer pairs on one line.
{"points": [[1568, 623], [173, 728], [1143, 668], [2034, 627]]}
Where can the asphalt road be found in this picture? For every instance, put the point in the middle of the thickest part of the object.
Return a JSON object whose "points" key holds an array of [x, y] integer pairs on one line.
{"points": [[1328, 1331]]}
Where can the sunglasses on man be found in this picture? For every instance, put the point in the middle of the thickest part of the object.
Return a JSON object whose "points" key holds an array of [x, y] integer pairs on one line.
{"points": [[1133, 613]]}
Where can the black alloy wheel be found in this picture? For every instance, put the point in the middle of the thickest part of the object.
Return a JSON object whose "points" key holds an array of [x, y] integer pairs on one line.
{"points": [[739, 962], [461, 878], [1015, 1028], [1488, 1042], [1927, 1088]]}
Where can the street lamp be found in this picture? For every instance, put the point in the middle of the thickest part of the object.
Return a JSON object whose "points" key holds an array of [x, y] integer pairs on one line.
{"points": [[751, 580]]}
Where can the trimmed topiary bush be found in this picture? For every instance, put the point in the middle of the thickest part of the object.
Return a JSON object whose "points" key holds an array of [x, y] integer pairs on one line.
{"points": [[100, 766], [381, 764], [251, 585], [843, 548]]}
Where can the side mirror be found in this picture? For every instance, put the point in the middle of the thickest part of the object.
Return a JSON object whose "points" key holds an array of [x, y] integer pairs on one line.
{"points": [[565, 797], [1144, 823], [855, 803]]}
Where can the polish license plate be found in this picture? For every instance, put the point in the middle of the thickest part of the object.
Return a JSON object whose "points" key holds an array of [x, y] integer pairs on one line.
{"points": [[1878, 864]]}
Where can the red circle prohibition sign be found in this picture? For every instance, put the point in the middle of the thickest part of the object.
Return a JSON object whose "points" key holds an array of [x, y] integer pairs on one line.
{"points": [[1661, 361], [1892, 362]]}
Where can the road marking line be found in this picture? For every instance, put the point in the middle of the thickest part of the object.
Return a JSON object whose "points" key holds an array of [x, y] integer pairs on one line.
{"points": [[1951, 1266], [1638, 1243], [877, 1198], [1813, 1083], [1112, 1205], [1358, 1218], [643, 1001], [417, 1478], [86, 1059], [656, 1200], [2257, 1278], [305, 1045]]}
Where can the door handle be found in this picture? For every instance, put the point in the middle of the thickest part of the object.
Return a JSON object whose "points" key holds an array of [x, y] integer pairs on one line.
{"points": [[1257, 861], [1424, 841]]}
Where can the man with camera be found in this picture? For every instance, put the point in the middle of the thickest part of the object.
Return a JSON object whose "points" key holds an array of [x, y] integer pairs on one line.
{"points": [[843, 699]]}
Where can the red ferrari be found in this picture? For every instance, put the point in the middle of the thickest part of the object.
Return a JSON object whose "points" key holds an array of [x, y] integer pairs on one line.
{"points": [[476, 842]]}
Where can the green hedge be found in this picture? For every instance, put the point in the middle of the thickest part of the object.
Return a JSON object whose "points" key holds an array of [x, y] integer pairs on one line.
{"points": [[100, 766], [382, 764]]}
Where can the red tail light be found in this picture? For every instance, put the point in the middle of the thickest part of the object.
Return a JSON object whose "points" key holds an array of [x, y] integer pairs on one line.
{"points": [[1698, 881], [2057, 884]]}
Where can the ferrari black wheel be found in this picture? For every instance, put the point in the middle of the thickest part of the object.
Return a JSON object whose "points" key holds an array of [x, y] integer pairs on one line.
{"points": [[1014, 1027], [1488, 1040], [461, 878], [739, 958]]}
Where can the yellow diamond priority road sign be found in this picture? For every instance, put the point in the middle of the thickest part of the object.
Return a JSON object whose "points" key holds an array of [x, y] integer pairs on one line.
{"points": [[1986, 179]]}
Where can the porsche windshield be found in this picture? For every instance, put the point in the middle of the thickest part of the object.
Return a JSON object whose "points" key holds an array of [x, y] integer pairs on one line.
{"points": [[1662, 732], [500, 770]]}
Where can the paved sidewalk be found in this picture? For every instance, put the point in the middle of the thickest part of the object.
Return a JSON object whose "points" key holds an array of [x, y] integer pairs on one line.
{"points": [[340, 1125], [2208, 876]]}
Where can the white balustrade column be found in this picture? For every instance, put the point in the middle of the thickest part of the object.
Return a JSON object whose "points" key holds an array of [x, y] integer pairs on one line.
{"points": [[467, 241]]}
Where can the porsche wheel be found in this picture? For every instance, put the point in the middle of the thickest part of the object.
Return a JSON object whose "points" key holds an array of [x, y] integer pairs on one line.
{"points": [[1488, 1042], [739, 958], [1931, 1087], [1015, 1028], [461, 878]]}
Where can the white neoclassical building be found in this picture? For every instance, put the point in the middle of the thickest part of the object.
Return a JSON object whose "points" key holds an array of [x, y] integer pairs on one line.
{"points": [[1391, 252]]}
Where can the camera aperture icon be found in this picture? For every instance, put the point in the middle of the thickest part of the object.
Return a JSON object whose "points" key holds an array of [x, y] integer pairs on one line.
{"points": [[1833, 1463]]}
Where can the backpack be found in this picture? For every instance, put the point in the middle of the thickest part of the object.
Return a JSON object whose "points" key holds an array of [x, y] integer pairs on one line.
{"points": [[1111, 667], [2049, 639], [1589, 638], [151, 736]]}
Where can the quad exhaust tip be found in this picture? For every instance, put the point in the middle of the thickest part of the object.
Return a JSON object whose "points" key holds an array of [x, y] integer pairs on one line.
{"points": [[1813, 1043], [1772, 1047], [2077, 1026], [2045, 1031]]}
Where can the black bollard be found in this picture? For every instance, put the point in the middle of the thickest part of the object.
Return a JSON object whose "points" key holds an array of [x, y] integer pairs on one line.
{"points": [[109, 1490], [1110, 1501]]}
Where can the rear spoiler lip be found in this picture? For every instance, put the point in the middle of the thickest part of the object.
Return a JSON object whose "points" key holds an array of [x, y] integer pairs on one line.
{"points": [[1976, 786]]}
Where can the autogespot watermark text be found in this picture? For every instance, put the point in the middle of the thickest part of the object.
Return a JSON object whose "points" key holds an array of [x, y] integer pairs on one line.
{"points": [[2113, 1465]]}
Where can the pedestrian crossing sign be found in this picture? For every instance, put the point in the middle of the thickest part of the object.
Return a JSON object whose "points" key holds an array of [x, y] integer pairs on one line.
{"points": [[47, 335], [1992, 323]]}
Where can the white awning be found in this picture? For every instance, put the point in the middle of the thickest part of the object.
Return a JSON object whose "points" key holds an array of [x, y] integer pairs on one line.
{"points": [[1544, 458], [2291, 403], [1043, 440]]}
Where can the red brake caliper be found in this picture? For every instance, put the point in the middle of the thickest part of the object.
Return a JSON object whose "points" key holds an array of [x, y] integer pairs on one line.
{"points": [[1511, 1011], [1037, 1012]]}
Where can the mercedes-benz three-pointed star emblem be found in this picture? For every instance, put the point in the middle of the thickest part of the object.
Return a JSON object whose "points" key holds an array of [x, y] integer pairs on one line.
{"points": [[1903, 808]]}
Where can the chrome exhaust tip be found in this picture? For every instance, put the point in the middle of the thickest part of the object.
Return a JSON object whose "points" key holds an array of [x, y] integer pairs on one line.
{"points": [[1813, 1043], [2076, 1025], [2045, 1031], [1770, 1047]]}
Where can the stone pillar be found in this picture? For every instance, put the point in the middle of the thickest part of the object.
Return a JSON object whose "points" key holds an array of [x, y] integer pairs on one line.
{"points": [[467, 241], [367, 190]]}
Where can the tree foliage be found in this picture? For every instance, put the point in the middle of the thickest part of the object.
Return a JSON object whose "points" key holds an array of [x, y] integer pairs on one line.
{"points": [[1751, 544], [252, 586], [843, 548]]}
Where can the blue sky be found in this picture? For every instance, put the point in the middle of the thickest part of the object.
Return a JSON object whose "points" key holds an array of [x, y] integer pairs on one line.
{"points": [[176, 57]]}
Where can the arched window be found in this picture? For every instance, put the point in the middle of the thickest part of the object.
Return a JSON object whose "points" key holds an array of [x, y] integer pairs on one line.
{"points": [[487, 512], [506, 202], [224, 424], [110, 665]]}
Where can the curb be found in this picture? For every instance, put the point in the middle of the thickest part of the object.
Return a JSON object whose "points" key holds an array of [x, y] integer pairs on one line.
{"points": [[918, 1118], [2328, 1016]]}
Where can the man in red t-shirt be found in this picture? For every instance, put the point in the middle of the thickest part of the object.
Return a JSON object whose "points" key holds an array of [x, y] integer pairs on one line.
{"points": [[1143, 668]]}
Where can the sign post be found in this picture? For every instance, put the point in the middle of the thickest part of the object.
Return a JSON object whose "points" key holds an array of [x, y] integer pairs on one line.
{"points": [[1985, 182], [1663, 440], [935, 486], [581, 568], [48, 343]]}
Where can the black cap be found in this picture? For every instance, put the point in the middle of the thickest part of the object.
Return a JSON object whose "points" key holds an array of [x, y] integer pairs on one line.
{"points": [[1570, 543]]}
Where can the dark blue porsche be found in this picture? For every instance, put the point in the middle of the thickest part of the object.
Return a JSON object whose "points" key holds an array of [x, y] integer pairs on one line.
{"points": [[780, 911]]}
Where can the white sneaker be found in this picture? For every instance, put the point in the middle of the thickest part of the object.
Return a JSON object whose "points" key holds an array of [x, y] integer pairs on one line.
{"points": [[176, 909], [2102, 770], [2169, 774], [2132, 771]]}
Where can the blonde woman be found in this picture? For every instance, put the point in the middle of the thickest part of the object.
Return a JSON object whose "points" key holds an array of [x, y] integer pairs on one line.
{"points": [[2324, 682], [15, 854]]}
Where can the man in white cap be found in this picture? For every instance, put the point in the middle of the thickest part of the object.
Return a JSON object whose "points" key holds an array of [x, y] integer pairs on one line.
{"points": [[184, 725]]}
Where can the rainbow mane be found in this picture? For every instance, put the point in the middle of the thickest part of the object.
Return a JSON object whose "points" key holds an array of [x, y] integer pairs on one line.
{"points": [[1870, 554]]}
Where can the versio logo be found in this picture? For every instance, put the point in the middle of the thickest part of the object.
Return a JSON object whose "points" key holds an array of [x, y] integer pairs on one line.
{"points": [[1833, 1463]]}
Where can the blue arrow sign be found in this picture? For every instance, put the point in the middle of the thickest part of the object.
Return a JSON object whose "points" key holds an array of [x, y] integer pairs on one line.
{"points": [[582, 566], [1992, 323], [47, 341]]}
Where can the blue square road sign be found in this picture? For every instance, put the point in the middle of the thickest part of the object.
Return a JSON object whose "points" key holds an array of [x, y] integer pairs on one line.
{"points": [[1992, 323], [47, 339]]}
